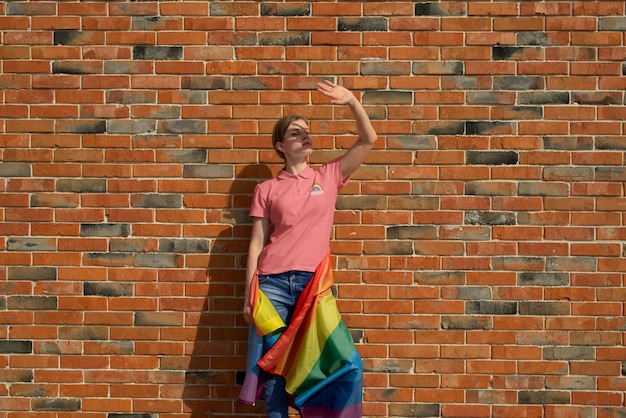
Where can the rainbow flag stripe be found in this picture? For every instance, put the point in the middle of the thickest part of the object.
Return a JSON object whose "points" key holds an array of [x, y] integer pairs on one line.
{"points": [[315, 354]]}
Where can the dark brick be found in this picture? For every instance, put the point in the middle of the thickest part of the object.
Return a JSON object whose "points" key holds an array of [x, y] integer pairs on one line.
{"points": [[412, 142], [472, 292], [392, 248], [611, 143], [612, 23], [206, 83], [239, 377], [488, 127], [492, 157], [432, 278], [461, 82], [186, 126], [390, 366], [81, 185], [171, 201], [9, 376], [438, 68], [568, 264], [596, 98], [277, 9], [132, 415], [506, 52], [16, 347], [387, 97], [208, 171], [568, 143], [530, 188], [284, 38], [150, 52], [83, 127], [73, 67], [569, 353], [436, 9], [483, 307], [518, 83], [543, 279], [611, 173], [54, 200], [345, 202], [543, 397], [413, 202], [568, 174], [447, 128], [465, 322], [108, 259], [131, 96], [384, 68], [544, 97], [412, 410], [183, 156], [10, 170], [534, 38], [30, 244], [84, 333], [158, 260], [259, 82], [478, 188], [55, 404], [133, 127], [184, 245], [73, 37], [489, 97], [32, 303], [104, 230], [163, 319], [32, 274], [364, 24], [28, 9], [153, 23], [489, 218], [107, 289], [544, 308]]}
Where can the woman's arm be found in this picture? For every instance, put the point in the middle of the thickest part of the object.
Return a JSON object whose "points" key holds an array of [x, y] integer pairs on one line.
{"points": [[355, 156], [258, 239]]}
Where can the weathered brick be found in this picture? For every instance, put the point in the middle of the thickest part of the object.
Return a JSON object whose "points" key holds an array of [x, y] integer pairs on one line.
{"points": [[485, 127], [360, 203], [518, 83], [542, 279], [81, 185], [544, 97], [32, 303], [31, 273], [157, 260], [448, 68], [164, 319], [362, 24], [484, 307], [15, 169], [489, 218], [403, 409], [83, 127], [56, 404], [492, 157], [16, 347], [156, 201], [189, 126], [610, 143], [277, 9], [83, 333], [569, 353], [387, 97], [465, 322], [543, 397], [104, 230], [439, 9], [107, 289], [149, 52], [284, 38], [184, 246], [544, 308]]}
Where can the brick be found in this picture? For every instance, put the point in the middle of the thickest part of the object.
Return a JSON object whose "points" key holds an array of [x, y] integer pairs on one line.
{"points": [[56, 404], [107, 289], [104, 230], [32, 302], [16, 347], [544, 397], [141, 52]]}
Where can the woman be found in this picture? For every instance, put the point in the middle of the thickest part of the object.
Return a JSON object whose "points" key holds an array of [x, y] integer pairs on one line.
{"points": [[293, 217]]}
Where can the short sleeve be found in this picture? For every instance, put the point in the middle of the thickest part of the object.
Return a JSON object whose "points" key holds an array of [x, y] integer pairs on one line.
{"points": [[259, 207]]}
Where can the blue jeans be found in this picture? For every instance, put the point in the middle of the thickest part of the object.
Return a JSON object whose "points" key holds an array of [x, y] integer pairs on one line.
{"points": [[283, 291]]}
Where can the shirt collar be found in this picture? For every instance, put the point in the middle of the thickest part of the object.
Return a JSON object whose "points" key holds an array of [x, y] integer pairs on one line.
{"points": [[307, 173]]}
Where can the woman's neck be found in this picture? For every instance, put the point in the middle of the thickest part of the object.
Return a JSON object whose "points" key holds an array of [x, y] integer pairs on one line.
{"points": [[295, 168]]}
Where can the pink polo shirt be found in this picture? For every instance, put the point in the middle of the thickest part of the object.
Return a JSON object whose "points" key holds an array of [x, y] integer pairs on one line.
{"points": [[301, 210]]}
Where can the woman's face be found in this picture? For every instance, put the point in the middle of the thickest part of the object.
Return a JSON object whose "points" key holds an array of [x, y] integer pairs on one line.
{"points": [[297, 141]]}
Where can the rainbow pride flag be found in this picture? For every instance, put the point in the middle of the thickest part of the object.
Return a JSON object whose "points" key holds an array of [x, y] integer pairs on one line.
{"points": [[315, 354]]}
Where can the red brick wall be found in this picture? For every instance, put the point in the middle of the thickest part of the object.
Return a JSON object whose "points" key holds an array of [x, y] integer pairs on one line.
{"points": [[479, 252]]}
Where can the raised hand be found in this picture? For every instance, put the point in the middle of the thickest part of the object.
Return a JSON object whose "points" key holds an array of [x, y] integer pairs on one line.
{"points": [[338, 94]]}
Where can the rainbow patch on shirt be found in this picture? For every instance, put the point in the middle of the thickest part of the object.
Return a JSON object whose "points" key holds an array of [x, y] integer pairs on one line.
{"points": [[316, 189]]}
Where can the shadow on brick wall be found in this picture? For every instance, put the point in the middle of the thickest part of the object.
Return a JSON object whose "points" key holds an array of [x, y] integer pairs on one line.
{"points": [[217, 361]]}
